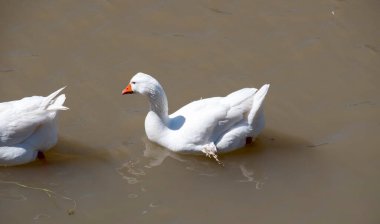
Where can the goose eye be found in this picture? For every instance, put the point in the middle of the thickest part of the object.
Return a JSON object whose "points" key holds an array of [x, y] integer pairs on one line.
{"points": [[133, 82]]}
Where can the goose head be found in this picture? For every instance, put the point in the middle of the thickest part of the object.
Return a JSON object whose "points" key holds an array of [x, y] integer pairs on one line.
{"points": [[150, 87], [144, 84]]}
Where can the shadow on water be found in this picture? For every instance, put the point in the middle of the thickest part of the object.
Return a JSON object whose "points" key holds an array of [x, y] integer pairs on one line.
{"points": [[64, 153], [67, 151], [271, 147], [269, 141], [272, 140]]}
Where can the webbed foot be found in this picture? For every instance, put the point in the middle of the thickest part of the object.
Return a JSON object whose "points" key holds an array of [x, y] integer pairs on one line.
{"points": [[210, 151]]}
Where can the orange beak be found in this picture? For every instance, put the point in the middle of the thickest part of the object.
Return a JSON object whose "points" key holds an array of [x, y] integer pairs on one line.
{"points": [[127, 90]]}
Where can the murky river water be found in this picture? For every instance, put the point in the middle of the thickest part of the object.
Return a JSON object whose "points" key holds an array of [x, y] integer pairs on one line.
{"points": [[316, 162]]}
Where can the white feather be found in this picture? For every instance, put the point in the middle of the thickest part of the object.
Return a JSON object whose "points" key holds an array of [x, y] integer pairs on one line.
{"points": [[225, 122], [28, 126]]}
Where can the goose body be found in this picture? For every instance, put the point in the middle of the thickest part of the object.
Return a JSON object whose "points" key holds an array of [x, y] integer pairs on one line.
{"points": [[212, 125], [28, 127]]}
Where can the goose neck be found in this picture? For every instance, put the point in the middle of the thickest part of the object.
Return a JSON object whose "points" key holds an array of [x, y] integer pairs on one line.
{"points": [[159, 104]]}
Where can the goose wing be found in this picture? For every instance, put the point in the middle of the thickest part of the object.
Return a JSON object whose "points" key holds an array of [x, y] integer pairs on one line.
{"points": [[208, 118]]}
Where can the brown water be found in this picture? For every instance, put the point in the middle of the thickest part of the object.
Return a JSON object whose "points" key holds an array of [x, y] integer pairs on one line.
{"points": [[316, 162]]}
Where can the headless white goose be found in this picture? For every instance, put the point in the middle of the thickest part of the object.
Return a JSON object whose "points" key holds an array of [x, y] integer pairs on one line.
{"points": [[28, 127], [213, 125]]}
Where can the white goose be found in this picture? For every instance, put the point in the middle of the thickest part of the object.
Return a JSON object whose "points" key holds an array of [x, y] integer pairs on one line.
{"points": [[28, 127], [210, 126]]}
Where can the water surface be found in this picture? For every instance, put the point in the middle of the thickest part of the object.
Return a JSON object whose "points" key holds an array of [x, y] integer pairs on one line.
{"points": [[316, 161]]}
